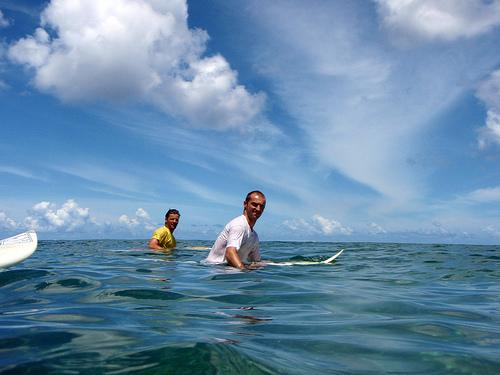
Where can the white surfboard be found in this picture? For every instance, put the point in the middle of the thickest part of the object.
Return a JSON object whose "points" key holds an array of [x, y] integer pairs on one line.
{"points": [[17, 248], [305, 262], [197, 248]]}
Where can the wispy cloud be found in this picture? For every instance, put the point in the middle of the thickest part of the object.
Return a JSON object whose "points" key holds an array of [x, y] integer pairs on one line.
{"points": [[440, 19], [4, 22], [492, 230], [119, 181], [140, 50], [261, 155], [363, 103], [198, 189], [489, 93], [338, 90], [484, 195], [20, 172]]}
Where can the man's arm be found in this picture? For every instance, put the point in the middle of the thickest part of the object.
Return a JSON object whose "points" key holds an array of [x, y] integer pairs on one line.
{"points": [[233, 259], [154, 244]]}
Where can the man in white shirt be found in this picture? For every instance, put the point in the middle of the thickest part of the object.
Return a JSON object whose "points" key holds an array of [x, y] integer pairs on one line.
{"points": [[238, 241]]}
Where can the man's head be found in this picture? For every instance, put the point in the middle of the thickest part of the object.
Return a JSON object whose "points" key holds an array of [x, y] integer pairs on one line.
{"points": [[172, 219], [253, 206]]}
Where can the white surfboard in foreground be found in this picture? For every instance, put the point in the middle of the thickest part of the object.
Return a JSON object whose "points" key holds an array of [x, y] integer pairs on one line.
{"points": [[17, 248], [305, 262]]}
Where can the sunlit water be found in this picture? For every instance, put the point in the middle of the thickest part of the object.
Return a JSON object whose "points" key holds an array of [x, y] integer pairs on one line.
{"points": [[91, 307]]}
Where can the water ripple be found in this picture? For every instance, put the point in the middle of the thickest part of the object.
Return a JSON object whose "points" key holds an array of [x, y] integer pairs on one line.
{"points": [[112, 307]]}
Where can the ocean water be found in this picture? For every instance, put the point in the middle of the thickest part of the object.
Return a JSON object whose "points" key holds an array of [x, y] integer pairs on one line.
{"points": [[114, 307]]}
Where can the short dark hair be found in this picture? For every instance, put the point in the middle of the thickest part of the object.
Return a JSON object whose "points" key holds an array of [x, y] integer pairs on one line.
{"points": [[172, 211], [254, 192]]}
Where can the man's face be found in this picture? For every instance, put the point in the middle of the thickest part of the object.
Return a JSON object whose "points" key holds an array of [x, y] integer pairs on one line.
{"points": [[254, 207], [171, 222]]}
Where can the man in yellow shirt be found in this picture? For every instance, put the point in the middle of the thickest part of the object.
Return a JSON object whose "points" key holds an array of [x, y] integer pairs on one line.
{"points": [[163, 237]]}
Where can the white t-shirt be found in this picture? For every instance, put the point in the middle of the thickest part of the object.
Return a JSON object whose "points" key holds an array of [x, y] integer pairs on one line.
{"points": [[237, 233]]}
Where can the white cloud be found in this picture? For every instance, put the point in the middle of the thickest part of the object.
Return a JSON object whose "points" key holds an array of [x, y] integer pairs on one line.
{"points": [[439, 228], [3, 49], [4, 22], [440, 19], [317, 225], [70, 218], [208, 93], [135, 50], [33, 50], [434, 232], [491, 230], [374, 228], [141, 220], [489, 92], [47, 217], [329, 226], [6, 222], [485, 195], [299, 226], [490, 133]]}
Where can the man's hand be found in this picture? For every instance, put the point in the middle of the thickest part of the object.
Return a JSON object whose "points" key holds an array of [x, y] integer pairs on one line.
{"points": [[254, 265]]}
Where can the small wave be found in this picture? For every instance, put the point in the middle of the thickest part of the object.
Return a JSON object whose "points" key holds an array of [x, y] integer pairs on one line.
{"points": [[9, 277], [72, 283], [148, 294]]}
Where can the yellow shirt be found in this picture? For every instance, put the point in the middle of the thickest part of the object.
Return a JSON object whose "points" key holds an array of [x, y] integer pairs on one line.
{"points": [[165, 238]]}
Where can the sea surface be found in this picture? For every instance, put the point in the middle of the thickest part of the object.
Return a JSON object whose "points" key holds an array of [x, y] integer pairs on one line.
{"points": [[114, 307]]}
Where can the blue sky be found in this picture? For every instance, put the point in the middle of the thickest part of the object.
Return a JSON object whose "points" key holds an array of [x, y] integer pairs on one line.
{"points": [[360, 120]]}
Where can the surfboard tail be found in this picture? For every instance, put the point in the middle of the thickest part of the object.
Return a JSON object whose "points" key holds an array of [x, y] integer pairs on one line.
{"points": [[332, 258]]}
